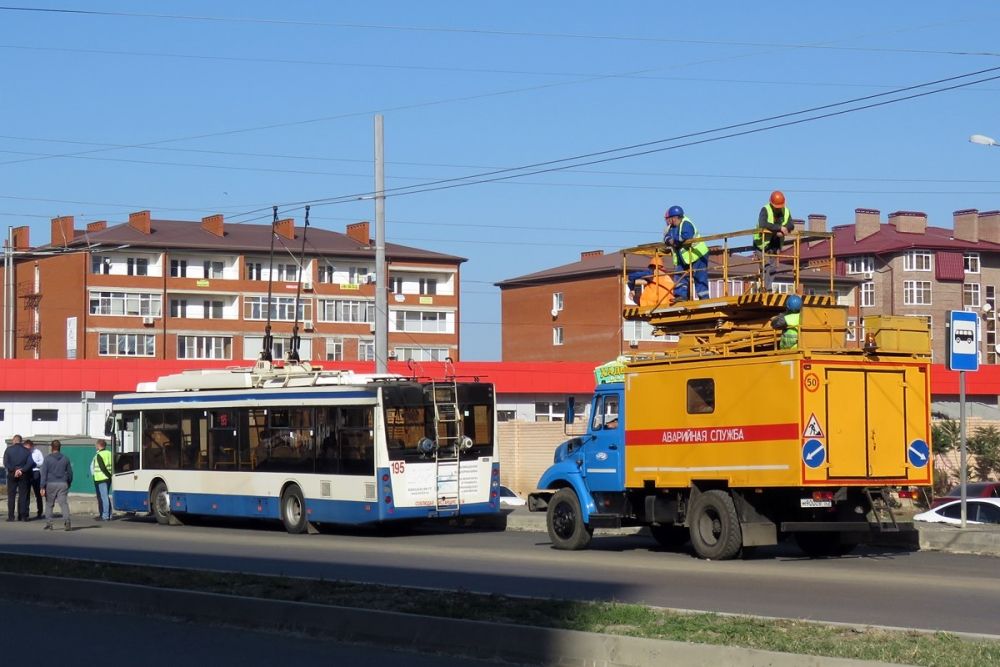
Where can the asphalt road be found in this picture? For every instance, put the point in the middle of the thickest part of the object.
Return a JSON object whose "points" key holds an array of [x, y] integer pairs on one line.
{"points": [[928, 590]]}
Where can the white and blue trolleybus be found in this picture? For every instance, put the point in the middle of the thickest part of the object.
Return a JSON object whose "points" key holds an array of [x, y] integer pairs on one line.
{"points": [[306, 446]]}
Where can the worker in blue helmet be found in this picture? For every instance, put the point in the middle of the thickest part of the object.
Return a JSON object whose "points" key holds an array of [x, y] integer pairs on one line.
{"points": [[788, 323], [690, 259]]}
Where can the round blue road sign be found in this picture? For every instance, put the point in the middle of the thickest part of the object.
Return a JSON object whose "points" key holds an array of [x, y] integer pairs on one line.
{"points": [[814, 453], [919, 453]]}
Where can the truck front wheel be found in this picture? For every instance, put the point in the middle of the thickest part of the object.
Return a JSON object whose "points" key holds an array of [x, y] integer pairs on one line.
{"points": [[715, 526], [565, 522]]}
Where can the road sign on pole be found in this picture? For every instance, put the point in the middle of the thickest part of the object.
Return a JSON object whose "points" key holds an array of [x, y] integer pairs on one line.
{"points": [[963, 343]]}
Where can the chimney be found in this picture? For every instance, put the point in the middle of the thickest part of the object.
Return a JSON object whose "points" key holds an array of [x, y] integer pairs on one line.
{"points": [[140, 222], [62, 230], [815, 223], [909, 222], [966, 225], [799, 226], [285, 228], [590, 253], [866, 223], [213, 225], [98, 226], [989, 226], [20, 235], [359, 232]]}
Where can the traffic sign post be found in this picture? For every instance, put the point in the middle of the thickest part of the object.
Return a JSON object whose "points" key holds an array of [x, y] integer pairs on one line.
{"points": [[963, 355]]}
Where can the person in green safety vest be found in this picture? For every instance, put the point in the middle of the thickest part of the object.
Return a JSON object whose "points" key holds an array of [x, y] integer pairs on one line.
{"points": [[100, 469], [788, 323], [774, 223], [688, 259]]}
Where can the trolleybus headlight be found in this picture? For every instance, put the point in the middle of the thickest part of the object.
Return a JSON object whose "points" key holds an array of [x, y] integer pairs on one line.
{"points": [[465, 443], [426, 446]]}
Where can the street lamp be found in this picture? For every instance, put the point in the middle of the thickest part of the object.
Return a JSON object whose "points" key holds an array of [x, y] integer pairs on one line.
{"points": [[983, 140]]}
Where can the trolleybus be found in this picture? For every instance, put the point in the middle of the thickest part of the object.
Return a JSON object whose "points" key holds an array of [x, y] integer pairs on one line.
{"points": [[306, 446]]}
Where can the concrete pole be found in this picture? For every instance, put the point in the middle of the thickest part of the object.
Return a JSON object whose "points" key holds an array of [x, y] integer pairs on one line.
{"points": [[381, 284]]}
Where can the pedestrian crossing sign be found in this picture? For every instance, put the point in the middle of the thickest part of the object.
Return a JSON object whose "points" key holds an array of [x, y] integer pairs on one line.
{"points": [[812, 428]]}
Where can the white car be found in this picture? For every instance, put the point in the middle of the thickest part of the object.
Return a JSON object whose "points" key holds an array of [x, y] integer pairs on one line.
{"points": [[510, 500], [978, 510]]}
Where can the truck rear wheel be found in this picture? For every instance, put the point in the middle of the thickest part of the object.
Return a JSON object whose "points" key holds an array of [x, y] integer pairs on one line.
{"points": [[565, 522], [715, 526]]}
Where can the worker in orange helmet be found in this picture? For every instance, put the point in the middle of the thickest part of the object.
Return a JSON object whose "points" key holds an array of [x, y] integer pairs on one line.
{"points": [[658, 290], [773, 224]]}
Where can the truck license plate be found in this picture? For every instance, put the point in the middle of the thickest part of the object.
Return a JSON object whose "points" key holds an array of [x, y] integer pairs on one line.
{"points": [[809, 502]]}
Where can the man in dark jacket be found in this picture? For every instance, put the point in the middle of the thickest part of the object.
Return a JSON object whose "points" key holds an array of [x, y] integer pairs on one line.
{"points": [[18, 463], [57, 477]]}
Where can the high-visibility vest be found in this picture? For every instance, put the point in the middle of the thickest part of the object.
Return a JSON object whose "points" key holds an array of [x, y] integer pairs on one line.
{"points": [[95, 468], [758, 237], [692, 253], [790, 336]]}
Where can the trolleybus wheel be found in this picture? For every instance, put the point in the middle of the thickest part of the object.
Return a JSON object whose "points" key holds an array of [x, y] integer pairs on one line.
{"points": [[715, 527], [669, 536], [159, 503], [823, 545], [293, 510], [565, 522]]}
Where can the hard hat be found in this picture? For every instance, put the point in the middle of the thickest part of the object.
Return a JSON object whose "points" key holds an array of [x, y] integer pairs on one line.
{"points": [[674, 211], [656, 261], [794, 303], [778, 199]]}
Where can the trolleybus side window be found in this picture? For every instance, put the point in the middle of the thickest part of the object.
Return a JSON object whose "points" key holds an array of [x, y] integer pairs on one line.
{"points": [[124, 443], [347, 446], [282, 439], [174, 440], [223, 439], [701, 396]]}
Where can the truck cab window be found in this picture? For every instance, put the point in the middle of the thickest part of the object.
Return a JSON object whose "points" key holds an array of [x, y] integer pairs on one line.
{"points": [[605, 413], [701, 396]]}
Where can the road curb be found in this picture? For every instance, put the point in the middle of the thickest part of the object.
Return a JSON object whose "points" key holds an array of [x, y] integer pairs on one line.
{"points": [[476, 639]]}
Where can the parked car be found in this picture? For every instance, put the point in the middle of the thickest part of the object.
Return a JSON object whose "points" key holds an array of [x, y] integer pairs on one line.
{"points": [[978, 510], [509, 499], [972, 490]]}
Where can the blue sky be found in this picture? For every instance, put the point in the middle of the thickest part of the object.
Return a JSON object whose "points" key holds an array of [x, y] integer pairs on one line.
{"points": [[270, 103]]}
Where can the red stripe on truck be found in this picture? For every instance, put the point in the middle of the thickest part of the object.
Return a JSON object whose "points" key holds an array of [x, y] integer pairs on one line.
{"points": [[712, 434]]}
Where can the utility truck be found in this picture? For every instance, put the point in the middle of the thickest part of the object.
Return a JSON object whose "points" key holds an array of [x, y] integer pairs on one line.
{"points": [[735, 438]]}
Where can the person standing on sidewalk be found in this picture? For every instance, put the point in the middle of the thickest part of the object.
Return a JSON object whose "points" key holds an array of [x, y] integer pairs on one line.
{"points": [[57, 477], [17, 460], [100, 468], [36, 476]]}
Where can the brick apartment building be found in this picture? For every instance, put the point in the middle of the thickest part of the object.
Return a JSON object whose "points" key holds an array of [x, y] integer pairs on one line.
{"points": [[167, 289], [573, 312]]}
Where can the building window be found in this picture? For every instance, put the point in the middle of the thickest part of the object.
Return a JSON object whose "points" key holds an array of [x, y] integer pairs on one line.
{"points": [[99, 264], [422, 322], [334, 349], [212, 310], [213, 269], [861, 264], [970, 295], [178, 308], [852, 329], [783, 288], [428, 286], [358, 275], [178, 268], [44, 415], [125, 303], [366, 349], [255, 271], [506, 415], [716, 288], [970, 260], [282, 308], [396, 284], [550, 411], [326, 273], [916, 292], [138, 266], [286, 272], [917, 260], [204, 347], [126, 345], [557, 302], [347, 310], [866, 294], [421, 353], [557, 335], [991, 324], [1, 414]]}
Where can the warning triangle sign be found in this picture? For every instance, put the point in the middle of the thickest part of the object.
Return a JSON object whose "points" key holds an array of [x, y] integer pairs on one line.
{"points": [[812, 428]]}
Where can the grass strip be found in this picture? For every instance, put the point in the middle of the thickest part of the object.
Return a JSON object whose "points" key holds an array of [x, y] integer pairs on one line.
{"points": [[802, 637]]}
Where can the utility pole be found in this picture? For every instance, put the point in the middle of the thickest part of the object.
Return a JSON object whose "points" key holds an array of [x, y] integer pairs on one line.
{"points": [[381, 285]]}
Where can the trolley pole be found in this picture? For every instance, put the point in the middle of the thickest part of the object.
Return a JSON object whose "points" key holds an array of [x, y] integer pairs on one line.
{"points": [[381, 283]]}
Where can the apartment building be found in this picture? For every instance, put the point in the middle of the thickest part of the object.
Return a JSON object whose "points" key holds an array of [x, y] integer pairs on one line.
{"points": [[168, 289], [908, 267]]}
